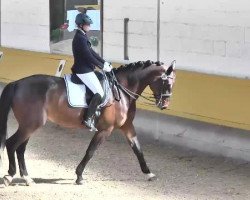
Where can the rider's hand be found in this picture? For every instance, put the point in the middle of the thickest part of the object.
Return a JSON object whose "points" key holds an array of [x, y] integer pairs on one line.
{"points": [[107, 67]]}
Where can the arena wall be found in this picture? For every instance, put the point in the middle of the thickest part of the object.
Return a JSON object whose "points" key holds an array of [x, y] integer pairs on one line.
{"points": [[25, 24], [204, 36]]}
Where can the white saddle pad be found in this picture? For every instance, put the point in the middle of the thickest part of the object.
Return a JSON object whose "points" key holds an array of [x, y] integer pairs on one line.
{"points": [[77, 93]]}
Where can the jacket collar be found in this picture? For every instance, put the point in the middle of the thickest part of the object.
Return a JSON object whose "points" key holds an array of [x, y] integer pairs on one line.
{"points": [[81, 31]]}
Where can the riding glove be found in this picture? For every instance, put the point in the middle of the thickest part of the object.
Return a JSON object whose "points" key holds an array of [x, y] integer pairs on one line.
{"points": [[107, 67]]}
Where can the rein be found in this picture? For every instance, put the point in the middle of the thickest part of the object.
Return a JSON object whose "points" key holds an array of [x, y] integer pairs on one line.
{"points": [[114, 82], [130, 93], [134, 95]]}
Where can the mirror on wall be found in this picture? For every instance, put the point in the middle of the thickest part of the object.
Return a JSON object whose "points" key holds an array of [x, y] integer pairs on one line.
{"points": [[62, 24]]}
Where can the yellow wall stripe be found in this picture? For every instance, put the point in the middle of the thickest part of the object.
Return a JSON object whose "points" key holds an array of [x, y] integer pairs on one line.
{"points": [[214, 99]]}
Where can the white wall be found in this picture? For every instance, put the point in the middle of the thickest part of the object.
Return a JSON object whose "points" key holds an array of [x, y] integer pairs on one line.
{"points": [[206, 36], [142, 39], [25, 24], [204, 137]]}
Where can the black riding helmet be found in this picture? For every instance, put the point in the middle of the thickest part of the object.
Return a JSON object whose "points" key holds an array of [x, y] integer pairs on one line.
{"points": [[83, 19]]}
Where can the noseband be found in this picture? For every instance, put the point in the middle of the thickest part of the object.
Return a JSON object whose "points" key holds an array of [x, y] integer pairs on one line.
{"points": [[165, 79]]}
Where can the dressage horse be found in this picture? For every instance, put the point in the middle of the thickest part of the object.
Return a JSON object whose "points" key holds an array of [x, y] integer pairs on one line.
{"points": [[36, 98]]}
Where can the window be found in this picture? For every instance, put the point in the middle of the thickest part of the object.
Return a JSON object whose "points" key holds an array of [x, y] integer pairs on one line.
{"points": [[62, 24]]}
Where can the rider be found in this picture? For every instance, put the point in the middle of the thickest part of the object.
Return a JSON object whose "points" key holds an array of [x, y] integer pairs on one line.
{"points": [[85, 60]]}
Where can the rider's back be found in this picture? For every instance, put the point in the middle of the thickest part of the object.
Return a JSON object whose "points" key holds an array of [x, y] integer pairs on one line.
{"points": [[82, 63]]}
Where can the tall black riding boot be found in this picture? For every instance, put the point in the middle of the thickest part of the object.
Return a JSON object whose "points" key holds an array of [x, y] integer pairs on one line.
{"points": [[90, 116]]}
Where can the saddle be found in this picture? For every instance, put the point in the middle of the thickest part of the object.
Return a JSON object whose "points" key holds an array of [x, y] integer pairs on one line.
{"points": [[80, 96]]}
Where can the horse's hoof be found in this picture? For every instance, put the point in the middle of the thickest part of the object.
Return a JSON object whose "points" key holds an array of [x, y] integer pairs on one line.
{"points": [[79, 181], [28, 181], [7, 180], [151, 177]]}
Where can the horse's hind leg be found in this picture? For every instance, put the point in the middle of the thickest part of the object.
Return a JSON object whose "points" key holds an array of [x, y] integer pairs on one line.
{"points": [[11, 145], [21, 162], [20, 157]]}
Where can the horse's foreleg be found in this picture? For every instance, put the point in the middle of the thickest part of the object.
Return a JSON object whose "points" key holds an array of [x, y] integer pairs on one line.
{"points": [[98, 139], [130, 134]]}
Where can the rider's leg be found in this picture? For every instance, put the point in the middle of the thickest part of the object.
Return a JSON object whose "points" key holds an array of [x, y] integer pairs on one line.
{"points": [[92, 82], [89, 119]]}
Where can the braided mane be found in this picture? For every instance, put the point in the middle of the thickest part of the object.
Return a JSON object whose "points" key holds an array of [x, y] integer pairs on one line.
{"points": [[137, 65]]}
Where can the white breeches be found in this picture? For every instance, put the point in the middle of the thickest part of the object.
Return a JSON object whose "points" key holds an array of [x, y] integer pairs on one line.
{"points": [[92, 82]]}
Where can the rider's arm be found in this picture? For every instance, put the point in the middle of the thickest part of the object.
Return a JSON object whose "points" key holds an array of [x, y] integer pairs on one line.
{"points": [[97, 56], [88, 54]]}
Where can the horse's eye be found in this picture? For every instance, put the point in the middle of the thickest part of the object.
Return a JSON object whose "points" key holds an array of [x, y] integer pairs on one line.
{"points": [[164, 77]]}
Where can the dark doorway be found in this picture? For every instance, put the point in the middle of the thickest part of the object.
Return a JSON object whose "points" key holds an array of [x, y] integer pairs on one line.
{"points": [[57, 14]]}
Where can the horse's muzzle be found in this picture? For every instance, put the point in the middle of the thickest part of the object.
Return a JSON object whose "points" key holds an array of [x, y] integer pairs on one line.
{"points": [[164, 104]]}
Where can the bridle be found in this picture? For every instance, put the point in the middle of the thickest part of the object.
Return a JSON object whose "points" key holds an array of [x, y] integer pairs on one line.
{"points": [[164, 91], [166, 80]]}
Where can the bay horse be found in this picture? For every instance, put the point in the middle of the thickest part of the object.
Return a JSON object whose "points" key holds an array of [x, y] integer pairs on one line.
{"points": [[36, 98]]}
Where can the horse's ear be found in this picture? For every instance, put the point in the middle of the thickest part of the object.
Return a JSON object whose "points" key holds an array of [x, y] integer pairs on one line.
{"points": [[171, 68], [173, 64]]}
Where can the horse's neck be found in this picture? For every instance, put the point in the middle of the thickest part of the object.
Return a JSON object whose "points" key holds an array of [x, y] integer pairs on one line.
{"points": [[138, 80]]}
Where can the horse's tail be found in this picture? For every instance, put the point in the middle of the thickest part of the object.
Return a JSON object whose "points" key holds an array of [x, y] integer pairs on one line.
{"points": [[5, 106]]}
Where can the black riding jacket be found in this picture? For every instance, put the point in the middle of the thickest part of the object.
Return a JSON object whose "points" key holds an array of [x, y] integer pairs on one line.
{"points": [[85, 58]]}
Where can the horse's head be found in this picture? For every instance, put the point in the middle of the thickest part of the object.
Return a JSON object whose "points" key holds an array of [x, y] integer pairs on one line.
{"points": [[162, 85]]}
